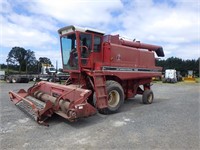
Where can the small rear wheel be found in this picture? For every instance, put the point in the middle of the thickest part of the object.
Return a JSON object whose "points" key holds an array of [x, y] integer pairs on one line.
{"points": [[147, 96]]}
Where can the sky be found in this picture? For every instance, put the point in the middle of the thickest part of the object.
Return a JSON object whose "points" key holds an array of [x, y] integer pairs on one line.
{"points": [[33, 24]]}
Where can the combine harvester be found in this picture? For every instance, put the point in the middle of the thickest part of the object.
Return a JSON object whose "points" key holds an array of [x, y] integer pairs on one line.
{"points": [[104, 70]]}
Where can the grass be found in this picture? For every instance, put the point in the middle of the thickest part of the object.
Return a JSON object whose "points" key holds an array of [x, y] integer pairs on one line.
{"points": [[180, 82], [197, 80]]}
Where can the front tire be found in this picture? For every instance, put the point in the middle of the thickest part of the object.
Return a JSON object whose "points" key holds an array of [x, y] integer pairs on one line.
{"points": [[115, 94], [147, 97]]}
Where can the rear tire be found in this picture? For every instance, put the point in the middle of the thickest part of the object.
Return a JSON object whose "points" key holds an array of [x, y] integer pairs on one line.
{"points": [[147, 97], [34, 79], [26, 80], [8, 80], [14, 79], [50, 80], [54, 79], [115, 94]]}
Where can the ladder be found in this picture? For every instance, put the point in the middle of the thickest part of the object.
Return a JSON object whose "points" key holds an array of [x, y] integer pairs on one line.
{"points": [[100, 90]]}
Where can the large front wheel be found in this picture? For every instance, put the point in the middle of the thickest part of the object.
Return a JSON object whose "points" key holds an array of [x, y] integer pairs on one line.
{"points": [[115, 94]]}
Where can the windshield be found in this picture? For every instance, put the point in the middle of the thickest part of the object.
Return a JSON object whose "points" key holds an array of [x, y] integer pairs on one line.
{"points": [[69, 52]]}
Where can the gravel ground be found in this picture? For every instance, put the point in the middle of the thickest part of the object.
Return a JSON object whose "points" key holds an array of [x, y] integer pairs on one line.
{"points": [[171, 122]]}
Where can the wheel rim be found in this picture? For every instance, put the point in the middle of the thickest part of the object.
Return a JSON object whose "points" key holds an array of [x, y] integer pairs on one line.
{"points": [[113, 98], [150, 98], [14, 80]]}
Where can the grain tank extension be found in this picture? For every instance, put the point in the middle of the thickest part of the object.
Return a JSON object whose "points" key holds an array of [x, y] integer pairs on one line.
{"points": [[104, 71]]}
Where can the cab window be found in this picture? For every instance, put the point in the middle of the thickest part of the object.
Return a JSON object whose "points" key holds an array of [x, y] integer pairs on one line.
{"points": [[97, 44], [85, 47], [86, 41]]}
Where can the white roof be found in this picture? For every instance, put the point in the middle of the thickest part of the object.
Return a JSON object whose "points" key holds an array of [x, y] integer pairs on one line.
{"points": [[77, 28]]}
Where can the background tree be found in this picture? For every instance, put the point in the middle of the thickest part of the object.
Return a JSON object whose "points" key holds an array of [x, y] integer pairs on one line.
{"points": [[31, 62], [45, 60], [17, 56], [20, 56], [180, 65]]}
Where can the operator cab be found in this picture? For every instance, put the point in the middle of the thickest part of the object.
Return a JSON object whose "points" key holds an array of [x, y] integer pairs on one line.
{"points": [[80, 47]]}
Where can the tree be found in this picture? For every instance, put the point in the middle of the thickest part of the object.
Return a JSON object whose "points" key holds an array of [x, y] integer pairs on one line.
{"points": [[30, 59], [44, 60], [17, 56], [20, 56], [180, 65]]}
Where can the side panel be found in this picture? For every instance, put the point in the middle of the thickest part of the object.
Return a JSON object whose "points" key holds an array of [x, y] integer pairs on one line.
{"points": [[126, 75], [106, 53], [129, 63], [147, 59], [124, 56]]}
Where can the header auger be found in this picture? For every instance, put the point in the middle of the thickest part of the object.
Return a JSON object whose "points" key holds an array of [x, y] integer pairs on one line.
{"points": [[104, 70]]}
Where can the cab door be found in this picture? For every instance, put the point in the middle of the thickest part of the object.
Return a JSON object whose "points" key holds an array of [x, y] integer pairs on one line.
{"points": [[85, 48], [90, 49]]}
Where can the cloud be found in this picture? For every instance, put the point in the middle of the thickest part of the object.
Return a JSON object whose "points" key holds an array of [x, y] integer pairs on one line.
{"points": [[32, 21], [5, 6], [190, 51], [160, 22], [21, 28], [19, 36], [92, 13]]}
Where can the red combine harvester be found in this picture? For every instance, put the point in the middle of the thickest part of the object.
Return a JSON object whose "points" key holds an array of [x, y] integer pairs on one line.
{"points": [[104, 70]]}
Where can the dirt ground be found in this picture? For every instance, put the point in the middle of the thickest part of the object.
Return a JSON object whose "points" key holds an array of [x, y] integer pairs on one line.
{"points": [[171, 122]]}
